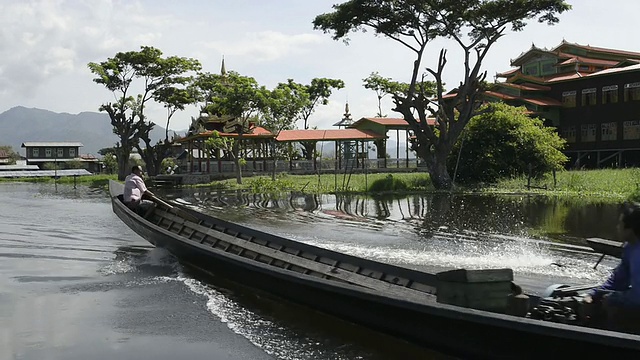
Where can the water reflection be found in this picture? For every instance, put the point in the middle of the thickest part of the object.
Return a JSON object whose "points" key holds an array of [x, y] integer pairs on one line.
{"points": [[541, 239], [562, 220]]}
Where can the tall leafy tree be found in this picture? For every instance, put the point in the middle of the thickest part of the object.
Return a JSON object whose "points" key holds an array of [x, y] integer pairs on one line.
{"points": [[316, 93], [236, 97], [283, 105], [149, 71], [475, 25], [387, 86]]}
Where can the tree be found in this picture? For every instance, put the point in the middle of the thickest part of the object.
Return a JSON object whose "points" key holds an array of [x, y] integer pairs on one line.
{"points": [[74, 164], [283, 104], [316, 93], [154, 74], [12, 155], [110, 163], [414, 24], [387, 86], [107, 150], [235, 97], [504, 141], [173, 99]]}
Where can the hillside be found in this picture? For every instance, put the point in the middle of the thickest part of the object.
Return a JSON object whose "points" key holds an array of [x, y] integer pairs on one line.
{"points": [[94, 130]]}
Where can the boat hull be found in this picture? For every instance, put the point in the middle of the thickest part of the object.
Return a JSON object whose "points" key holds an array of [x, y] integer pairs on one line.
{"points": [[454, 330]]}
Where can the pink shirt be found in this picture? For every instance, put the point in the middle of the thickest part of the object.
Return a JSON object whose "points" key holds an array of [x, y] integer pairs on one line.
{"points": [[134, 187]]}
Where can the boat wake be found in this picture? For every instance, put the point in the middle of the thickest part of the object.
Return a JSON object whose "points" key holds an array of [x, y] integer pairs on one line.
{"points": [[282, 341]]}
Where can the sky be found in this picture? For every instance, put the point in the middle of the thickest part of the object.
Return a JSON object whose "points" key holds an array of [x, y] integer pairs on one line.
{"points": [[45, 46]]}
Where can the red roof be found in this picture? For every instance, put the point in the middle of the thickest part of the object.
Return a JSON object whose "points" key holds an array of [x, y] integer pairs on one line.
{"points": [[617, 70], [500, 96], [526, 86], [328, 135], [598, 49], [566, 76], [590, 61], [542, 101], [386, 121], [508, 72], [390, 122], [256, 132]]}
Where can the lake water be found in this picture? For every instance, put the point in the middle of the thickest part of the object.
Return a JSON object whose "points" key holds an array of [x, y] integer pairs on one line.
{"points": [[76, 283]]}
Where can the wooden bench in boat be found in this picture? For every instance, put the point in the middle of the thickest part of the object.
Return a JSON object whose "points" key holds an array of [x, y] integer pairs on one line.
{"points": [[292, 259], [605, 247]]}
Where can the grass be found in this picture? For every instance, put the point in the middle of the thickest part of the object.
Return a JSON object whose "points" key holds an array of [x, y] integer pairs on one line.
{"points": [[608, 185], [605, 184], [329, 183]]}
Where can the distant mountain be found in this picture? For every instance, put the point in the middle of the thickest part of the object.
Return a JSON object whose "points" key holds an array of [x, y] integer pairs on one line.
{"points": [[94, 130]]}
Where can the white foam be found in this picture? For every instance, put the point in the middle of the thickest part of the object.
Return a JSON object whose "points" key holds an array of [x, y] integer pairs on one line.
{"points": [[529, 258]]}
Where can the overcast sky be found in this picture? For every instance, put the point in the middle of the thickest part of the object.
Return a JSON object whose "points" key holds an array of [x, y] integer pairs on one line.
{"points": [[45, 46]]}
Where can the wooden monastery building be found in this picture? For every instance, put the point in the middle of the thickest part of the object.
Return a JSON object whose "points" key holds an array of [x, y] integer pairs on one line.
{"points": [[590, 94], [351, 144]]}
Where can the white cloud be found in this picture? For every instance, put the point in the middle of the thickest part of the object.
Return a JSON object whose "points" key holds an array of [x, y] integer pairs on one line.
{"points": [[43, 40], [45, 46], [266, 45]]}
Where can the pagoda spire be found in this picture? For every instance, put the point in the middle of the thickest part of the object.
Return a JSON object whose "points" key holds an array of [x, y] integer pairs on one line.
{"points": [[346, 118], [347, 115], [223, 70]]}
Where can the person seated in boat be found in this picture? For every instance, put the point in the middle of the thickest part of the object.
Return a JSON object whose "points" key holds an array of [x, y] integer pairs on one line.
{"points": [[135, 191], [619, 295]]}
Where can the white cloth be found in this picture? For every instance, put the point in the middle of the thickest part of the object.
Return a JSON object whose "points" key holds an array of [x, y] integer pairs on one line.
{"points": [[134, 187]]}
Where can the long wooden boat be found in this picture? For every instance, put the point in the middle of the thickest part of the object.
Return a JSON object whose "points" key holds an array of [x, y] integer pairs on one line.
{"points": [[606, 247], [401, 302]]}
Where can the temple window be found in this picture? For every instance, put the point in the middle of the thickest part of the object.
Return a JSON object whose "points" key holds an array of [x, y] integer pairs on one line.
{"points": [[588, 97], [588, 132], [72, 153], [548, 68], [60, 152], [609, 131], [631, 130], [35, 152], [531, 69], [632, 91], [569, 98], [47, 152], [610, 94], [569, 134]]}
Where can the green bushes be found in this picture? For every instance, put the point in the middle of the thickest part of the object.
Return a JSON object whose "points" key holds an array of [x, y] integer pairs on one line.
{"points": [[388, 183], [503, 141], [266, 185]]}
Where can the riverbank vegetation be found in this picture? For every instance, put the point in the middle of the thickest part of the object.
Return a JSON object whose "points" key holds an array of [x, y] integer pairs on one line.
{"points": [[607, 185]]}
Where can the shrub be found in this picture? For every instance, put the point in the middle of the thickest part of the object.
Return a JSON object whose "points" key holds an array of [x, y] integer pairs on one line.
{"points": [[388, 183], [503, 141]]}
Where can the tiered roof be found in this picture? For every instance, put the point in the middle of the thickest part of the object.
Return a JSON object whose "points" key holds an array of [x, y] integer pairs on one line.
{"points": [[572, 61]]}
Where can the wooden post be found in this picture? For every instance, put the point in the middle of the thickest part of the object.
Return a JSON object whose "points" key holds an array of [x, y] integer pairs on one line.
{"points": [[397, 148], [406, 145]]}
